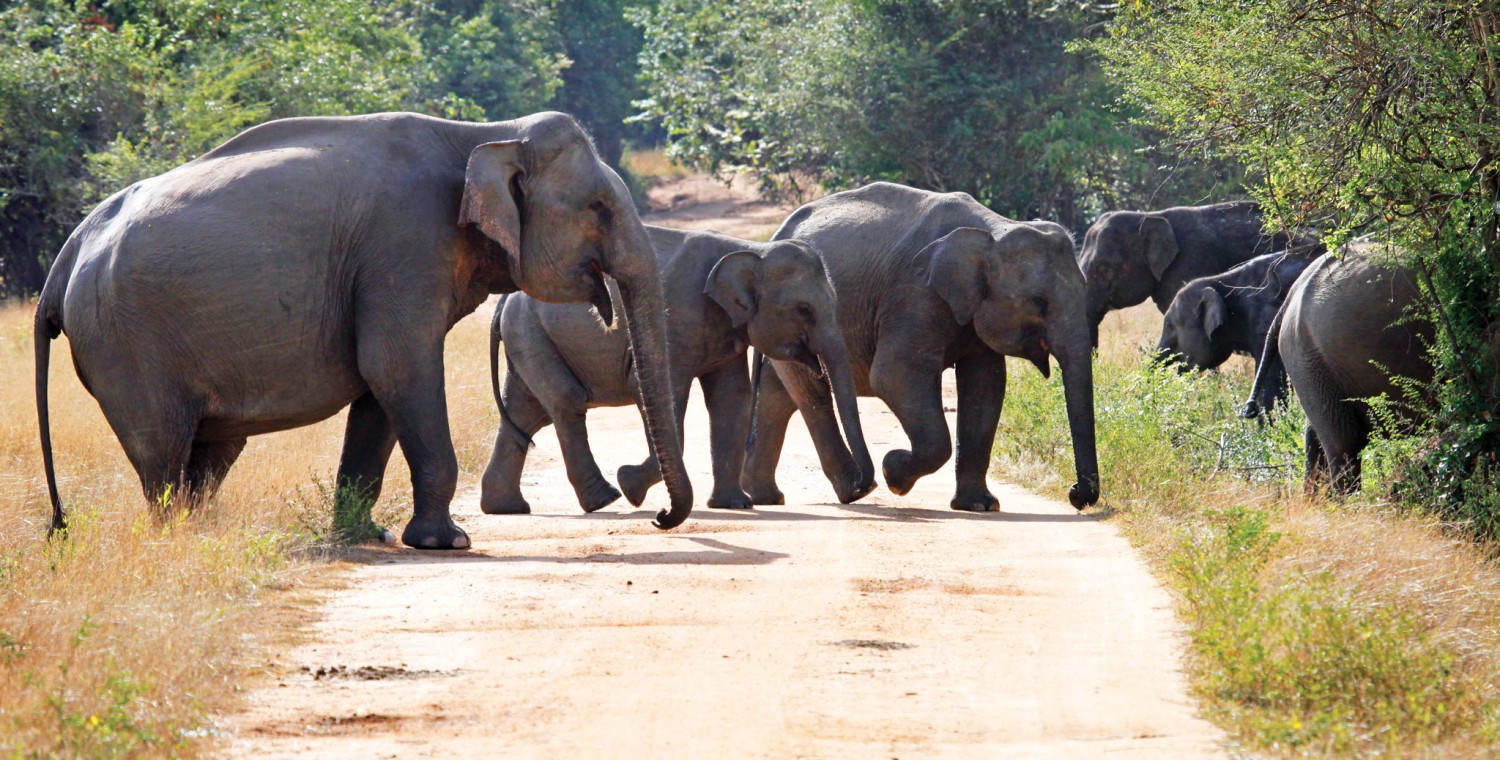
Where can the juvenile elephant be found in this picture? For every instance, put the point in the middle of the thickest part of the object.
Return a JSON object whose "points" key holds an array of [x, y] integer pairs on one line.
{"points": [[1345, 331], [722, 294], [309, 264], [928, 281], [1212, 318], [1129, 256]]}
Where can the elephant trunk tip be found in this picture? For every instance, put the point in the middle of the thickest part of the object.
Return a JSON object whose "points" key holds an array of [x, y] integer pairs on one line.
{"points": [[668, 519], [1082, 495], [1251, 410]]}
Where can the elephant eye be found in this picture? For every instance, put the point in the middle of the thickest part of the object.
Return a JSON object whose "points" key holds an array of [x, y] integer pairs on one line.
{"points": [[603, 211], [805, 312]]}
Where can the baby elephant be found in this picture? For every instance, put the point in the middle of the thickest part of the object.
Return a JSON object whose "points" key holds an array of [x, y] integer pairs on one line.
{"points": [[1212, 318], [723, 295], [1344, 334]]}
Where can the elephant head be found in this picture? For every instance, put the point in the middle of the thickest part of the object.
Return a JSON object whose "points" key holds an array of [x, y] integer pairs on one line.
{"points": [[1123, 257], [784, 301], [1187, 331], [1024, 294], [564, 220]]}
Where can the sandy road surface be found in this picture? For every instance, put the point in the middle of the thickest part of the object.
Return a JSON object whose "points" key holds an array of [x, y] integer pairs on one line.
{"points": [[891, 628]]}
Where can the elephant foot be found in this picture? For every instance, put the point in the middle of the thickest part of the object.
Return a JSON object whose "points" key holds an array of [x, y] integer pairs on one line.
{"points": [[514, 504], [851, 494], [598, 497], [765, 495], [434, 533], [975, 501], [635, 480], [730, 499], [899, 474]]}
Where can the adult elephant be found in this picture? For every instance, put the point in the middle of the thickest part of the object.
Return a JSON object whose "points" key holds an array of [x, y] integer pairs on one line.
{"points": [[1129, 256], [1213, 318], [309, 264], [927, 281], [1344, 335], [723, 294]]}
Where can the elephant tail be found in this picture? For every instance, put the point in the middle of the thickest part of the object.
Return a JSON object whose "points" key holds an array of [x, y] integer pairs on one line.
{"points": [[495, 339], [48, 326], [1270, 372]]}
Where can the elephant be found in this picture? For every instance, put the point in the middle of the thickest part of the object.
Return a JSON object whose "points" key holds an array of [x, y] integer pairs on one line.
{"points": [[312, 264], [1212, 318], [1128, 256], [722, 294], [1344, 335], [927, 281]]}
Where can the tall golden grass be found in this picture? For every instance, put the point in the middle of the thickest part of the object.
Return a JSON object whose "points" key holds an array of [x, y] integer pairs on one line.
{"points": [[126, 638], [1318, 626]]}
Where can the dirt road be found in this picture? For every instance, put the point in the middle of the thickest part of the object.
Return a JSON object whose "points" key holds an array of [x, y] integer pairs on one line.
{"points": [[890, 628]]}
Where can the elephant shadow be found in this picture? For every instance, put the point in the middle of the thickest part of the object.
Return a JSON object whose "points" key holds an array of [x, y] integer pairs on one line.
{"points": [[715, 552]]}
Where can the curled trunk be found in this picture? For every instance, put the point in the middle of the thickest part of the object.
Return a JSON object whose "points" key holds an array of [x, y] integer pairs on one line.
{"points": [[835, 358], [645, 321], [1075, 357]]}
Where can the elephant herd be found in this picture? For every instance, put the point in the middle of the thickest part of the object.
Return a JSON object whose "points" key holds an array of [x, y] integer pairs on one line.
{"points": [[313, 264]]}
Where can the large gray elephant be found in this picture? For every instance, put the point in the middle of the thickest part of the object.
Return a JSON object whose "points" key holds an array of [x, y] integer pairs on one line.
{"points": [[1213, 318], [1129, 256], [927, 281], [1343, 335], [722, 294], [309, 264]]}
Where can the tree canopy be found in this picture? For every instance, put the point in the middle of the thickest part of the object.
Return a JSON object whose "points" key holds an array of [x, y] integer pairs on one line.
{"points": [[97, 94], [1369, 117]]}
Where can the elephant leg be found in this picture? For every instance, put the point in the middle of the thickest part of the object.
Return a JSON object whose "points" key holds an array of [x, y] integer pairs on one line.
{"points": [[814, 398], [773, 411], [500, 490], [207, 465], [636, 479], [981, 393], [726, 393], [403, 366], [160, 455], [1316, 465], [368, 442], [913, 390], [1349, 435]]}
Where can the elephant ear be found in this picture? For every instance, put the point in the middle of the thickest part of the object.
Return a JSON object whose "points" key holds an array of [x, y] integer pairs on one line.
{"points": [[1211, 311], [492, 193], [731, 284], [957, 270], [1160, 243]]}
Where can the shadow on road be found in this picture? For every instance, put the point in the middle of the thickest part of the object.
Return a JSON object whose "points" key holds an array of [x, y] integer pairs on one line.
{"points": [[716, 553]]}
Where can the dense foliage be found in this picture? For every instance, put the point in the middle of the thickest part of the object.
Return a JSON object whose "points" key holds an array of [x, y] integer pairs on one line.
{"points": [[95, 95], [1377, 117], [981, 96]]}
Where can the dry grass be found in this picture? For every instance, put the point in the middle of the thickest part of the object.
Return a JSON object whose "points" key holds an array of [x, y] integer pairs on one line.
{"points": [[1318, 627], [652, 166], [128, 637]]}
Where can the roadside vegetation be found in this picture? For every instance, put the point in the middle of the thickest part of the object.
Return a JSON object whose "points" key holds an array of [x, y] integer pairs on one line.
{"points": [[128, 637], [1316, 626]]}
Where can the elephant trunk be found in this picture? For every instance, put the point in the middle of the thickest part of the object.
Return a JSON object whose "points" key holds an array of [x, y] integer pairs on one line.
{"points": [[835, 357], [1075, 357], [634, 267]]}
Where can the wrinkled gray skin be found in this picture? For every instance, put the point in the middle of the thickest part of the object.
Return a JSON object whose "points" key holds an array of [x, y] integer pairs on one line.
{"points": [[1339, 340], [1213, 318], [723, 294], [928, 281], [1129, 256], [310, 264]]}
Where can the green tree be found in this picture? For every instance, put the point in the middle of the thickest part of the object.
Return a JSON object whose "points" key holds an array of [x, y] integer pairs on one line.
{"points": [[1357, 116], [982, 96]]}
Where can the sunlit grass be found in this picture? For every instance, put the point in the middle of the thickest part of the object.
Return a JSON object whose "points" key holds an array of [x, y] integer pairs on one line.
{"points": [[1317, 627], [127, 637]]}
